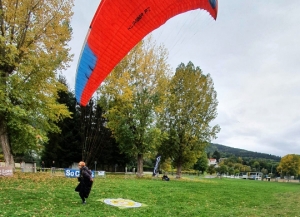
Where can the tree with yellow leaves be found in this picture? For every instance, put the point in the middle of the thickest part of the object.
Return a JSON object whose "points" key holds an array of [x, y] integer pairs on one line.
{"points": [[33, 47], [131, 95], [289, 165]]}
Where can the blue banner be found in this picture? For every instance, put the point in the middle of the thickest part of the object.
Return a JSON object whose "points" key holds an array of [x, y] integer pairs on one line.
{"points": [[71, 173]]}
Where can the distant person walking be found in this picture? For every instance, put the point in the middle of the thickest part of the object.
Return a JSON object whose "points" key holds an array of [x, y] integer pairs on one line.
{"points": [[53, 167], [43, 166], [85, 182]]}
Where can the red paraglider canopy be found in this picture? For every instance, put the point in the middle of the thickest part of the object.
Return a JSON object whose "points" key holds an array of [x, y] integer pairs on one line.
{"points": [[116, 28]]}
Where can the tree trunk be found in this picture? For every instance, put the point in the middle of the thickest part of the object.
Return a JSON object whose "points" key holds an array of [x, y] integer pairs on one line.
{"points": [[8, 157], [140, 165], [178, 172]]}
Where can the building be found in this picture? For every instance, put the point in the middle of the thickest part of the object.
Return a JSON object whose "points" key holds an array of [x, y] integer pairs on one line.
{"points": [[212, 161]]}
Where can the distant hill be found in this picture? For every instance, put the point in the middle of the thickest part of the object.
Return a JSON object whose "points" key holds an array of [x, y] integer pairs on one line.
{"points": [[226, 151]]}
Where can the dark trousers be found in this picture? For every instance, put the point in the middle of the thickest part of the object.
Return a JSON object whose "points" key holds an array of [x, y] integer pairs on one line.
{"points": [[82, 196]]}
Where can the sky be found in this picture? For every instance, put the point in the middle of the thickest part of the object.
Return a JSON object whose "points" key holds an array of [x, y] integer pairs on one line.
{"points": [[252, 52]]}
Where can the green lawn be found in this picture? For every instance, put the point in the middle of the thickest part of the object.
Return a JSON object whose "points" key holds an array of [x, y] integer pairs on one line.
{"points": [[42, 195]]}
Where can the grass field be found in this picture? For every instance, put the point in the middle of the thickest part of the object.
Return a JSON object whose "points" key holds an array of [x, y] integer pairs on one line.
{"points": [[39, 194]]}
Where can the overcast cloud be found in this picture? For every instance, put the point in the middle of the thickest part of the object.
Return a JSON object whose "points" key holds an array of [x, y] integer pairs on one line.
{"points": [[252, 52]]}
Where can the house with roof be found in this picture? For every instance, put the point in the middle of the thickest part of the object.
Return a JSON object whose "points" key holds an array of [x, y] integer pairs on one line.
{"points": [[212, 161]]}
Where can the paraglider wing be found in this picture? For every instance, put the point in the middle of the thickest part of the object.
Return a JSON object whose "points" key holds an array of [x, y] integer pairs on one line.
{"points": [[117, 26]]}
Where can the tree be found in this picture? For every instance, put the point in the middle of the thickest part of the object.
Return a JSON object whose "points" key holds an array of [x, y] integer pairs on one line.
{"points": [[240, 160], [202, 163], [223, 169], [256, 166], [131, 95], [216, 155], [64, 147], [166, 165], [208, 155], [211, 169], [189, 110], [231, 171], [33, 47], [264, 172], [236, 171], [246, 168], [289, 165]]}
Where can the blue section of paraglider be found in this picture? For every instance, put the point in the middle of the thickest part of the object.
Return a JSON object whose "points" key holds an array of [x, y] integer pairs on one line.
{"points": [[213, 3], [86, 66]]}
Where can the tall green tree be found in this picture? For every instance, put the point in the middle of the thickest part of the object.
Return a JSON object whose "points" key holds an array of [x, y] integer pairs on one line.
{"points": [[256, 166], [211, 169], [191, 106], [216, 155], [223, 169], [65, 147], [83, 136], [202, 163], [33, 47], [131, 95]]}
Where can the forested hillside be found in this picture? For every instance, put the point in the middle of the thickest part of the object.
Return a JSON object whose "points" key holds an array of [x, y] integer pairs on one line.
{"points": [[226, 151]]}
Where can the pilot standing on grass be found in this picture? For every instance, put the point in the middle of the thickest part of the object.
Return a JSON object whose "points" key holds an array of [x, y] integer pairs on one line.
{"points": [[85, 182]]}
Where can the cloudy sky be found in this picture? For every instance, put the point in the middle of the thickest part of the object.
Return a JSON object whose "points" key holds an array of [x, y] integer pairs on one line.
{"points": [[252, 52]]}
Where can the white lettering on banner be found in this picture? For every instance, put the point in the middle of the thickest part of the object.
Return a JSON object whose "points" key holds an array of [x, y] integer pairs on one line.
{"points": [[101, 173], [74, 173], [6, 171]]}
